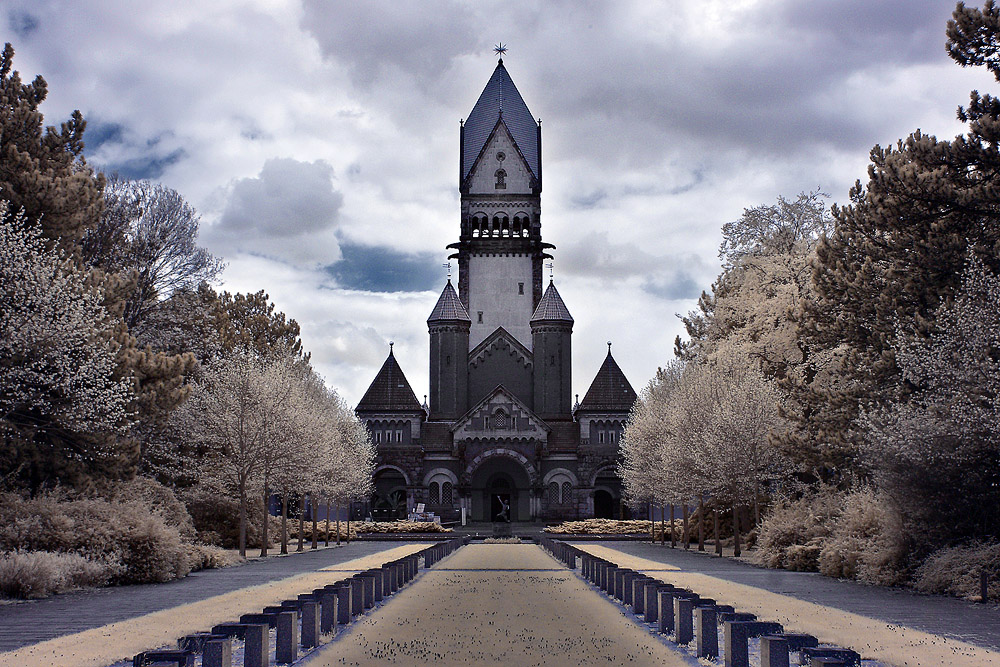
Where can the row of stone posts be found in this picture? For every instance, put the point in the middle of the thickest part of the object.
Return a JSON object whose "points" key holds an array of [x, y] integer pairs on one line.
{"points": [[687, 617], [301, 622]]}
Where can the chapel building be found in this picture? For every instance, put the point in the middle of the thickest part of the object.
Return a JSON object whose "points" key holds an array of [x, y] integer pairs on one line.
{"points": [[500, 426]]}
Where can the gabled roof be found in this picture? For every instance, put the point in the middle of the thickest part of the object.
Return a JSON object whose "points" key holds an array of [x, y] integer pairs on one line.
{"points": [[500, 100], [477, 353], [610, 391], [389, 391], [500, 390], [449, 307], [551, 307]]}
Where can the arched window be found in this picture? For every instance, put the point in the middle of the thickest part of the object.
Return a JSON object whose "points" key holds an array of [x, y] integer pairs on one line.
{"points": [[567, 493], [553, 493], [446, 494], [501, 179], [500, 222], [500, 419], [434, 497]]}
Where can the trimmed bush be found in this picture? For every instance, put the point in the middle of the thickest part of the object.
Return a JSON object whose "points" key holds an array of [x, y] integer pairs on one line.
{"points": [[38, 574], [955, 570]]}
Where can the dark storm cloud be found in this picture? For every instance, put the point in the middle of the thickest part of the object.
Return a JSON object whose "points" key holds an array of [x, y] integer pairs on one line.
{"points": [[290, 212], [22, 23], [412, 37], [381, 269], [115, 149], [671, 276]]}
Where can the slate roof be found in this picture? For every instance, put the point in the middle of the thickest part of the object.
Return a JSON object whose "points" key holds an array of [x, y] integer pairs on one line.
{"points": [[449, 307], [610, 391], [551, 307], [389, 391], [500, 99]]}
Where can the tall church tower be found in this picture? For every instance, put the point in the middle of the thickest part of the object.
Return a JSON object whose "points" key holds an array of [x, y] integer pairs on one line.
{"points": [[500, 249]]}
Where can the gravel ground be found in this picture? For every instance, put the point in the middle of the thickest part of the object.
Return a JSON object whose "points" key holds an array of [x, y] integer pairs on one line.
{"points": [[498, 604]]}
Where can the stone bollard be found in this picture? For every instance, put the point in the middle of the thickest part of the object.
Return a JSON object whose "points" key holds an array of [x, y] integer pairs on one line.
{"points": [[845, 655], [650, 601], [369, 587], [310, 623], [609, 578], [571, 561], [388, 580], [344, 604], [288, 638], [639, 585], [706, 631], [665, 611], [379, 593], [773, 651], [683, 627], [328, 611], [256, 646], [736, 648], [218, 653], [357, 595]]}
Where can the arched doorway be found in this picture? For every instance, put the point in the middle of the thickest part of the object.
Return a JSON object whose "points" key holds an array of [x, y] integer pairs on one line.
{"points": [[389, 497], [604, 504], [500, 479]]}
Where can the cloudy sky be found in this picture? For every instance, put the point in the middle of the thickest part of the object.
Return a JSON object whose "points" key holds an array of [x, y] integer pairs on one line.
{"points": [[319, 140]]}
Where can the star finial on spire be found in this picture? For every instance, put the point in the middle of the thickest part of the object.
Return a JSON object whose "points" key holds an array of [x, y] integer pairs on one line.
{"points": [[500, 49]]}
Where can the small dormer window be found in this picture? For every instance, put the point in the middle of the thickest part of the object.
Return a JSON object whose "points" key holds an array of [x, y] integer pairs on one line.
{"points": [[501, 179]]}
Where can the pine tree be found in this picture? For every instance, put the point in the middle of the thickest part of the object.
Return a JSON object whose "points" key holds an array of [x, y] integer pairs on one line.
{"points": [[42, 169], [898, 249]]}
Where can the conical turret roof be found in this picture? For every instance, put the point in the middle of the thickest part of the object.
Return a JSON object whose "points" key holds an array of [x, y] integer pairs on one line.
{"points": [[389, 391], [449, 307], [500, 99], [610, 391], [551, 307]]}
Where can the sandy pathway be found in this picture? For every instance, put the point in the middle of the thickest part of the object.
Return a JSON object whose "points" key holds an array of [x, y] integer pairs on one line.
{"points": [[498, 604], [117, 641], [872, 638]]}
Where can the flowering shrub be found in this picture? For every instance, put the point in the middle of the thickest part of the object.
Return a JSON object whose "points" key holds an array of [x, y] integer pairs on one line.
{"points": [[956, 570], [38, 574]]}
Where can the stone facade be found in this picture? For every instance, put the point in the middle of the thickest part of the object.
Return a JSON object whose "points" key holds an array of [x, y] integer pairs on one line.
{"points": [[500, 427]]}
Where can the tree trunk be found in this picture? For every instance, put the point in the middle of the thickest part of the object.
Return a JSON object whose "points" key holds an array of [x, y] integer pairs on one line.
{"points": [[302, 521], [652, 526], [347, 537], [663, 525], [338, 523], [243, 520], [672, 541], [312, 507], [687, 533], [736, 531], [756, 504], [264, 537], [718, 543], [284, 523], [327, 521], [701, 522]]}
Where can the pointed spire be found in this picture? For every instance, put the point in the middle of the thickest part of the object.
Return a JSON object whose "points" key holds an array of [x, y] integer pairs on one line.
{"points": [[390, 391], [610, 391], [500, 99], [449, 307], [551, 307]]}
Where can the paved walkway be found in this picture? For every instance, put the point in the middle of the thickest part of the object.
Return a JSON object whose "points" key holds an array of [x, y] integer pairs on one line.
{"points": [[31, 622], [498, 604], [972, 622]]}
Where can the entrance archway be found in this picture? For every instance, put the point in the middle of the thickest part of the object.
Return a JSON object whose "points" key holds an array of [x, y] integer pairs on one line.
{"points": [[498, 480], [389, 497], [604, 505]]}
